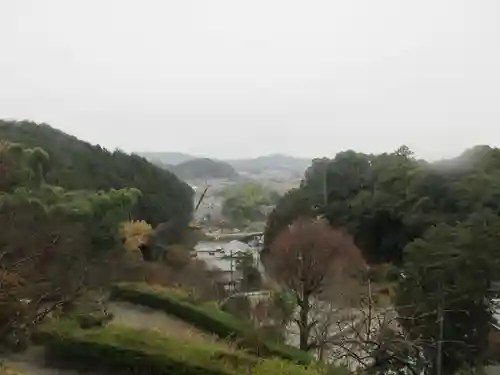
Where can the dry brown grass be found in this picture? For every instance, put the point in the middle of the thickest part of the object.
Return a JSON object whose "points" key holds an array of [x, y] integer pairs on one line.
{"points": [[134, 234]]}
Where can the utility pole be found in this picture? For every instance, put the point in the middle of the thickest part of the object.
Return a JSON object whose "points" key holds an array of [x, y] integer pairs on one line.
{"points": [[232, 271], [439, 356], [325, 191]]}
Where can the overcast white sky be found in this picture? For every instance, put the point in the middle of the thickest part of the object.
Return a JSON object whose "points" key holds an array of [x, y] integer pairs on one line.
{"points": [[237, 78]]}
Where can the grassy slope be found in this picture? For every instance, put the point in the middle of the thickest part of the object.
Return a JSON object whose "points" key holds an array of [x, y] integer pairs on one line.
{"points": [[140, 317], [142, 351], [209, 319]]}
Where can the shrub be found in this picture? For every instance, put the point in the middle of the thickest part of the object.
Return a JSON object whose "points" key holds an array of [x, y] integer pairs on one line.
{"points": [[134, 233], [239, 306], [212, 320], [177, 256], [92, 320]]}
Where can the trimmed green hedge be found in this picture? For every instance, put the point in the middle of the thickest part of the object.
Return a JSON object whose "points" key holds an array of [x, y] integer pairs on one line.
{"points": [[147, 352], [138, 351], [208, 319]]}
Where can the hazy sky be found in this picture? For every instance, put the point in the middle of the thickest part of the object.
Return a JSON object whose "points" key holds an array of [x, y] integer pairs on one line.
{"points": [[238, 78]]}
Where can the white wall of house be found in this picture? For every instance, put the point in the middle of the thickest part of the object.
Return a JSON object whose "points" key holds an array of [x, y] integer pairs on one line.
{"points": [[216, 256]]}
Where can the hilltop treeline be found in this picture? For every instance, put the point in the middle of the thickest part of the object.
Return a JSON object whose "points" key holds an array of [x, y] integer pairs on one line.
{"points": [[77, 165], [388, 200]]}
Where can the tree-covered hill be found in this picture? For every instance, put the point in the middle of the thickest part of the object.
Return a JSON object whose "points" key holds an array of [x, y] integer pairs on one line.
{"points": [[204, 168], [435, 227], [78, 165], [276, 162], [388, 200], [167, 158]]}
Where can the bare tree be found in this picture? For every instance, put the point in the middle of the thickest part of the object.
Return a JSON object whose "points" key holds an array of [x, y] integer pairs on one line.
{"points": [[306, 258], [366, 334]]}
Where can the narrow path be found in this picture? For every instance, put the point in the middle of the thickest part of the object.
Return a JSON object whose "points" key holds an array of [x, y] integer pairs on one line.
{"points": [[32, 362], [135, 316]]}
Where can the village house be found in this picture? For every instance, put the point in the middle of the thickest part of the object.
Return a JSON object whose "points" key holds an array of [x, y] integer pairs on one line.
{"points": [[222, 259]]}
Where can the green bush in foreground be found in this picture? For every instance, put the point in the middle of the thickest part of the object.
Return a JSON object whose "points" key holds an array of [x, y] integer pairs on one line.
{"points": [[147, 352], [92, 320], [208, 319]]}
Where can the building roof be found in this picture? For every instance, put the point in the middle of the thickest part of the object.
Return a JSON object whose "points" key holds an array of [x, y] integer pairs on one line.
{"points": [[209, 246], [217, 254], [236, 246]]}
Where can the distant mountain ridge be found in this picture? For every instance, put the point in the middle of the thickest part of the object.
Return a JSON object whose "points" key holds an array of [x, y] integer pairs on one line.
{"points": [[259, 164], [204, 168], [167, 158], [271, 162]]}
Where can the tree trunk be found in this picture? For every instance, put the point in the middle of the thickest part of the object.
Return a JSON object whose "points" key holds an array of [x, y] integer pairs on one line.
{"points": [[304, 323], [321, 352]]}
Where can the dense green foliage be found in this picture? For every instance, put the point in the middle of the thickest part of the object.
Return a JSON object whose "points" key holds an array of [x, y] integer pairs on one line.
{"points": [[246, 202], [24, 178], [204, 168], [388, 200], [209, 319], [53, 242], [450, 270], [437, 222], [77, 165], [23, 173]]}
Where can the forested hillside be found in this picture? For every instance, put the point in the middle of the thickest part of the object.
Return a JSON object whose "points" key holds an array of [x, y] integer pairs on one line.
{"points": [[54, 242], [77, 165], [388, 200], [434, 226], [167, 158], [62, 252], [271, 163]]}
